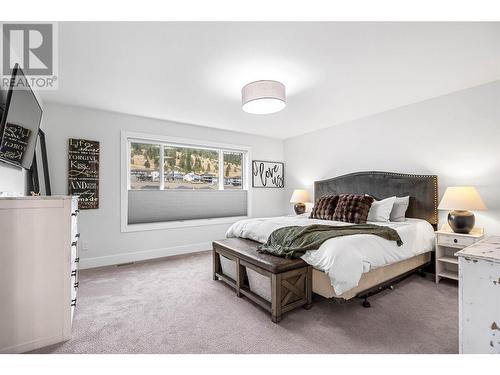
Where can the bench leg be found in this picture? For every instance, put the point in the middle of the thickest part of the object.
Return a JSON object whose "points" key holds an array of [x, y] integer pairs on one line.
{"points": [[215, 264], [239, 278], [276, 319], [276, 297], [308, 285]]}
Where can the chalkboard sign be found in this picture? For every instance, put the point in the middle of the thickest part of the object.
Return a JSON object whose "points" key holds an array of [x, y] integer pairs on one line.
{"points": [[14, 142], [83, 172], [268, 174]]}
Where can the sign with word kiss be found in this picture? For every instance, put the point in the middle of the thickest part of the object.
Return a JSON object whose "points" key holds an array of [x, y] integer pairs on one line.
{"points": [[83, 172]]}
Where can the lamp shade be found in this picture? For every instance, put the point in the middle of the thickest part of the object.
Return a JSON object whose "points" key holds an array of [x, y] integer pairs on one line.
{"points": [[461, 198], [262, 97], [300, 196]]}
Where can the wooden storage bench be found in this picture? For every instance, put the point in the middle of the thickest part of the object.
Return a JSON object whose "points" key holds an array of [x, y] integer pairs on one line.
{"points": [[290, 279]]}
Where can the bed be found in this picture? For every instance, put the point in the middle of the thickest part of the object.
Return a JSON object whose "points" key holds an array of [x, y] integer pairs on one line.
{"points": [[360, 265]]}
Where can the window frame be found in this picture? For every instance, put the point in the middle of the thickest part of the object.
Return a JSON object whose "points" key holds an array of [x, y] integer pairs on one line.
{"points": [[163, 140]]}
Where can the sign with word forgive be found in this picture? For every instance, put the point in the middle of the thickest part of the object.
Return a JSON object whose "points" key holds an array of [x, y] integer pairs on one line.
{"points": [[83, 172]]}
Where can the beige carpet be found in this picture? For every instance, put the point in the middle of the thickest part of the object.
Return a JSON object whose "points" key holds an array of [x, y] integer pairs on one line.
{"points": [[174, 306]]}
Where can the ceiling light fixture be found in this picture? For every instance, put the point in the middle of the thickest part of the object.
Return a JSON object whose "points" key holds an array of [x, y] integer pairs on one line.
{"points": [[262, 97]]}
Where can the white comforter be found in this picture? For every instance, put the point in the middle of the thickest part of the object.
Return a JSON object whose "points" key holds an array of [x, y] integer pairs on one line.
{"points": [[345, 259]]}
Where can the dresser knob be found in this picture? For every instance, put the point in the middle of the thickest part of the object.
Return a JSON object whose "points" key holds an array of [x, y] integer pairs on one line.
{"points": [[455, 240]]}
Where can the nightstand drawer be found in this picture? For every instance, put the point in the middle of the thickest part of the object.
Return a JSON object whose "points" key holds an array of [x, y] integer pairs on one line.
{"points": [[455, 241]]}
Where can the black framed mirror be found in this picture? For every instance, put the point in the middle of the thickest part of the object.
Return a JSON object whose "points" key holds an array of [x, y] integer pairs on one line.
{"points": [[38, 174]]}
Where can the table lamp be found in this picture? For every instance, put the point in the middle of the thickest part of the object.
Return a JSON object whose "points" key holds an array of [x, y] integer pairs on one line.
{"points": [[461, 199], [299, 197]]}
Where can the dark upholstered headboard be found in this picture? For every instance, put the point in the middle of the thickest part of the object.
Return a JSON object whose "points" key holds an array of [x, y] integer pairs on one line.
{"points": [[422, 189]]}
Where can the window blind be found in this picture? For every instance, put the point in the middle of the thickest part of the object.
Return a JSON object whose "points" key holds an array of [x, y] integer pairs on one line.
{"points": [[153, 206]]}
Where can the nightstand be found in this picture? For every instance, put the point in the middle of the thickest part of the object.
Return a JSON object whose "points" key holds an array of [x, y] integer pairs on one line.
{"points": [[447, 244]]}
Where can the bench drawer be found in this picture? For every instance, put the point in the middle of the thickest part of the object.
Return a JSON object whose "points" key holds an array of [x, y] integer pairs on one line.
{"points": [[228, 267], [259, 284]]}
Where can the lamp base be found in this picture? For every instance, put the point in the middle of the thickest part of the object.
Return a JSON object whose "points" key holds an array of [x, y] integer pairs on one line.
{"points": [[299, 208], [461, 221]]}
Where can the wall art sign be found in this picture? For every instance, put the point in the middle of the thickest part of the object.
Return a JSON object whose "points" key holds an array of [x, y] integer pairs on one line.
{"points": [[14, 143], [83, 172], [268, 174]]}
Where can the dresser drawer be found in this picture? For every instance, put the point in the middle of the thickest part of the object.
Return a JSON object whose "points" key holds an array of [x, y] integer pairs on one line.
{"points": [[74, 276], [75, 259], [455, 241], [74, 227], [74, 287], [74, 204]]}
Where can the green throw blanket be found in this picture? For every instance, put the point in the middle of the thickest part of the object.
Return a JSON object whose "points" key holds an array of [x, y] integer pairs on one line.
{"points": [[292, 242]]}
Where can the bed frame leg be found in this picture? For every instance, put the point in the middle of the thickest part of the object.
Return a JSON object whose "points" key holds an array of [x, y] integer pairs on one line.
{"points": [[365, 303], [421, 273]]}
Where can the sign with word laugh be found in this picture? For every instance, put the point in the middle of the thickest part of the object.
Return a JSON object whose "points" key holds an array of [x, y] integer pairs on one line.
{"points": [[268, 174], [83, 172]]}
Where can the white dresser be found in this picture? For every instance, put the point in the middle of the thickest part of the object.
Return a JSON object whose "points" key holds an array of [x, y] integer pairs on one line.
{"points": [[38, 271], [479, 294]]}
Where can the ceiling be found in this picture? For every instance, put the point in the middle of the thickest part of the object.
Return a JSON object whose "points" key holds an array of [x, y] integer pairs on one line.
{"points": [[334, 72]]}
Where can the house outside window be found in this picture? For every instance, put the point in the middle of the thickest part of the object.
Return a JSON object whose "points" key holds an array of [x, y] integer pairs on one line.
{"points": [[184, 167]]}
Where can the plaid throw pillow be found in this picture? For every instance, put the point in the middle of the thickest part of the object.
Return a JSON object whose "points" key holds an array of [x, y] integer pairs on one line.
{"points": [[353, 208], [324, 207]]}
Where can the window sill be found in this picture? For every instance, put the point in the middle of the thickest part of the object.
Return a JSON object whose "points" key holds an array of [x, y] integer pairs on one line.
{"points": [[180, 224]]}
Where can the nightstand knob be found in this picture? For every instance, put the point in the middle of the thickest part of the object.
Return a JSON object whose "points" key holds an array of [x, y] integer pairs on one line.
{"points": [[455, 240]]}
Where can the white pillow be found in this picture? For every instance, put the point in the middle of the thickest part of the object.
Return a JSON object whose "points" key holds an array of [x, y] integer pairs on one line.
{"points": [[398, 212], [381, 210]]}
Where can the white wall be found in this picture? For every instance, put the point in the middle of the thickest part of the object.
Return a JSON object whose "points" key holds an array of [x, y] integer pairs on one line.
{"points": [[456, 137], [101, 227], [12, 180]]}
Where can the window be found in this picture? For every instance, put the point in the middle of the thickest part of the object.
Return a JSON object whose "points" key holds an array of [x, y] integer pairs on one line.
{"points": [[171, 182], [144, 166], [191, 168], [233, 167], [184, 167]]}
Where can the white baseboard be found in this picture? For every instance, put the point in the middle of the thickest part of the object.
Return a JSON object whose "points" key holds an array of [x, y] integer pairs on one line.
{"points": [[110, 260], [32, 345]]}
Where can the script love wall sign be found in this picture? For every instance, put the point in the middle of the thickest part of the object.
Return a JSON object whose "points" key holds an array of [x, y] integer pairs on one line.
{"points": [[268, 174], [83, 172]]}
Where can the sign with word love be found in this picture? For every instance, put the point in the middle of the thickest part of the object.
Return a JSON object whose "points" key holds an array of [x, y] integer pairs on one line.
{"points": [[83, 172], [268, 174]]}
